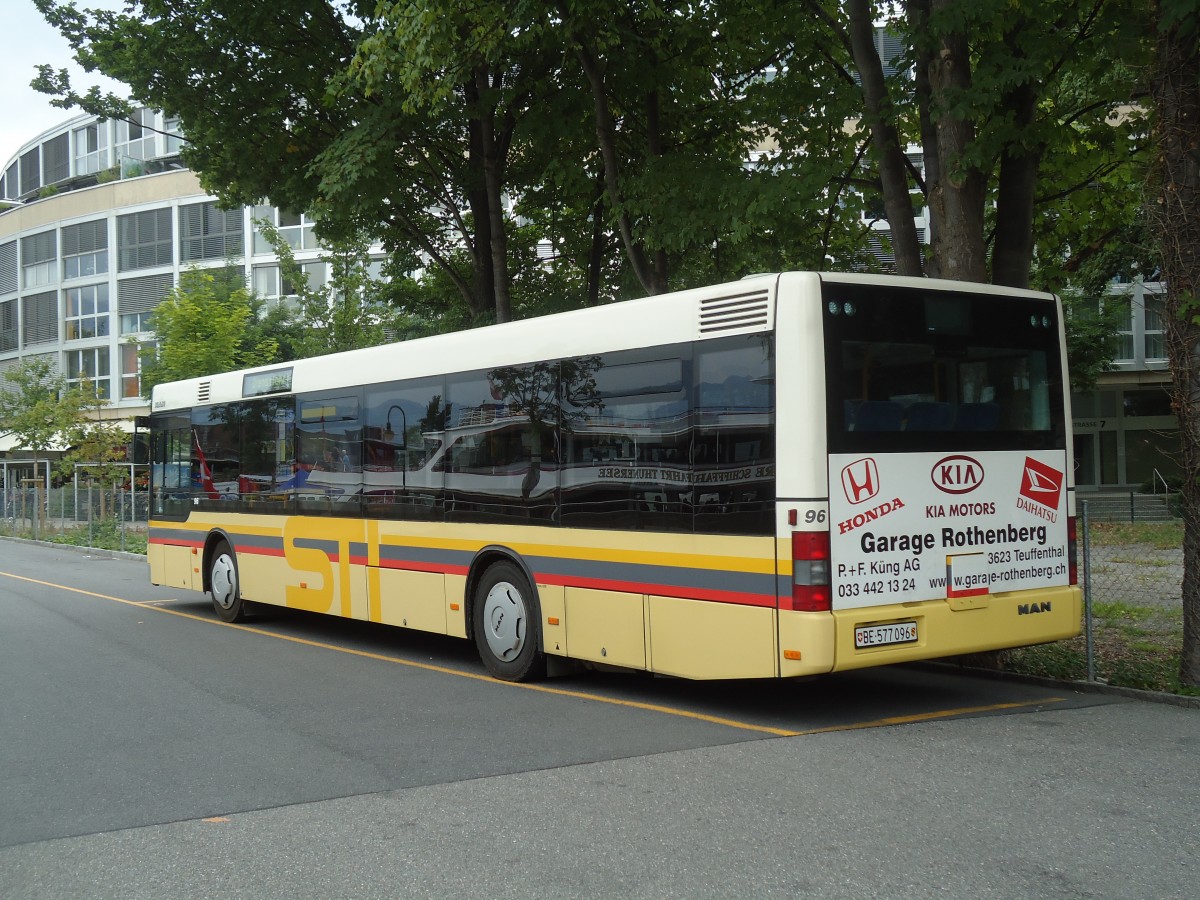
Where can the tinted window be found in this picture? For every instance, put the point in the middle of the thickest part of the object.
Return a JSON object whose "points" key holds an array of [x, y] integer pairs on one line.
{"points": [[913, 370], [626, 428], [501, 457], [733, 473], [405, 431], [329, 449]]}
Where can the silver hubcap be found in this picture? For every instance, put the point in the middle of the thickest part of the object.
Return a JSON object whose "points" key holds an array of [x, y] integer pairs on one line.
{"points": [[224, 581], [504, 621]]}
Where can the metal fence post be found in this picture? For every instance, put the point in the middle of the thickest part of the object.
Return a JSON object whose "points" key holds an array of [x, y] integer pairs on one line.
{"points": [[1087, 596]]}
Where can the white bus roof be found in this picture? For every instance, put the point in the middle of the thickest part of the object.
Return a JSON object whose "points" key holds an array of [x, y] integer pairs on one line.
{"points": [[739, 307]]}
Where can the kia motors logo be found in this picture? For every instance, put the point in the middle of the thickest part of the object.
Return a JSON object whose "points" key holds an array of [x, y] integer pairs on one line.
{"points": [[956, 474], [860, 480], [1041, 483]]}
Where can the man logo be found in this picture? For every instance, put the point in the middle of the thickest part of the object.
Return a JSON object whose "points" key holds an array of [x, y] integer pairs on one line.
{"points": [[860, 480], [1041, 483]]}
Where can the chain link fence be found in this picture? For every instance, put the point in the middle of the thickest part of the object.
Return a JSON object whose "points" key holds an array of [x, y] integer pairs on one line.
{"points": [[98, 505]]}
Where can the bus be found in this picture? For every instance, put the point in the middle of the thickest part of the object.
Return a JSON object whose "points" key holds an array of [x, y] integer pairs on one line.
{"points": [[789, 475]]}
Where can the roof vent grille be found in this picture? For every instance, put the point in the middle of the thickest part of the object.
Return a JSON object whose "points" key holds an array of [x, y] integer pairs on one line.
{"points": [[736, 313], [203, 391]]}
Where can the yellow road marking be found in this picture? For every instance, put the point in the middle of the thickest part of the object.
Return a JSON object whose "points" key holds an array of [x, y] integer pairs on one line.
{"points": [[544, 689]]}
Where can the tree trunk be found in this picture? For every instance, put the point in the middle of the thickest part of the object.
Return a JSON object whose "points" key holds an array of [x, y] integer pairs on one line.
{"points": [[1012, 254], [889, 155], [484, 282], [493, 179], [1176, 91], [956, 199], [918, 15], [606, 137]]}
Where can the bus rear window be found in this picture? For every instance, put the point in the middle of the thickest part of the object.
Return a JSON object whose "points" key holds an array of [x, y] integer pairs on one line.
{"points": [[912, 370]]}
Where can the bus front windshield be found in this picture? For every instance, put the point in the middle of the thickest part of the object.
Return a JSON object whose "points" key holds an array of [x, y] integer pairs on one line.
{"points": [[910, 369]]}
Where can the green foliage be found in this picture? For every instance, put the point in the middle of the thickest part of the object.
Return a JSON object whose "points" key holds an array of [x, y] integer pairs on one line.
{"points": [[205, 326], [1159, 535], [347, 312], [38, 408]]}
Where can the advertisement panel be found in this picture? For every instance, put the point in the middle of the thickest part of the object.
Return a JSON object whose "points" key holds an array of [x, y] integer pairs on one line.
{"points": [[922, 526]]}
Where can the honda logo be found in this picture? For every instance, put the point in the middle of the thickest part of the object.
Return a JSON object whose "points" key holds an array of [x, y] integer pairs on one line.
{"points": [[956, 474], [860, 480]]}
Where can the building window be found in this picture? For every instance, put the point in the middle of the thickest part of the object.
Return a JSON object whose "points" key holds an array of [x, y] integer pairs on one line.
{"points": [[131, 368], [8, 326], [31, 171], [39, 318], [87, 312], [56, 159], [137, 322], [38, 255], [85, 249], [135, 137], [89, 366], [296, 230], [137, 298], [206, 232], [144, 240], [12, 187], [174, 135], [91, 148], [1154, 344], [1125, 344], [8, 267]]}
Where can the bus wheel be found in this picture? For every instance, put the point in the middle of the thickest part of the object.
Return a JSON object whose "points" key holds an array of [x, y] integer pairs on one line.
{"points": [[223, 584], [505, 624]]}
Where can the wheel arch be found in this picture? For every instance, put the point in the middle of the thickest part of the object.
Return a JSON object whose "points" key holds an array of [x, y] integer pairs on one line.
{"points": [[214, 537], [484, 559]]}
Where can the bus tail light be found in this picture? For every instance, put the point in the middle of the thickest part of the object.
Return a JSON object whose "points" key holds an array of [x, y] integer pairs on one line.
{"points": [[1072, 551], [810, 571]]}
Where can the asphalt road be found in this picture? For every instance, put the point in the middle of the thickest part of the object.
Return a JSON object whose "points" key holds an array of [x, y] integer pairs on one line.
{"points": [[147, 750]]}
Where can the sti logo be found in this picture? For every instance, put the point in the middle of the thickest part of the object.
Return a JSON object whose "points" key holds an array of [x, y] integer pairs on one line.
{"points": [[1041, 483], [860, 480]]}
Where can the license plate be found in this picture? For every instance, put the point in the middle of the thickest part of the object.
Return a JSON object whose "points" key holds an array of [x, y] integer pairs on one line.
{"points": [[883, 635]]}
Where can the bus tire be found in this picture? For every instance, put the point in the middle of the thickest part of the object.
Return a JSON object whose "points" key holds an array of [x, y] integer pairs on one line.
{"points": [[505, 623], [224, 587]]}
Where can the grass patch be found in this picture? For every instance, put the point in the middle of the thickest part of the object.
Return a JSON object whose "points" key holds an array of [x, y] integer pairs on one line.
{"points": [[1133, 646], [1159, 535], [104, 534]]}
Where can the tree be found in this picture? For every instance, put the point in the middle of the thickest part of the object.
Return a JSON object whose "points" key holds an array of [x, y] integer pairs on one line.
{"points": [[344, 313], [98, 443], [270, 108], [40, 411], [1176, 214], [423, 122], [1015, 106], [204, 326]]}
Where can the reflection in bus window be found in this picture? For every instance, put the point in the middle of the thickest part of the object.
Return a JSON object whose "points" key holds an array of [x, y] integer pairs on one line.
{"points": [[733, 473], [329, 448], [501, 457], [403, 436], [627, 443]]}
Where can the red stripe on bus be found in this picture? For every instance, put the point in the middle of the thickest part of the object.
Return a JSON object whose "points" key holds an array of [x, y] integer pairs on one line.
{"points": [[175, 543], [662, 590]]}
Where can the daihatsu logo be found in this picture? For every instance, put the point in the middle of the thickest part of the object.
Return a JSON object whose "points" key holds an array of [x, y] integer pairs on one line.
{"points": [[860, 480], [956, 474]]}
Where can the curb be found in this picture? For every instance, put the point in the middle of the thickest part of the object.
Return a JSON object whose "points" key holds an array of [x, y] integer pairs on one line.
{"points": [[1086, 687], [75, 548]]}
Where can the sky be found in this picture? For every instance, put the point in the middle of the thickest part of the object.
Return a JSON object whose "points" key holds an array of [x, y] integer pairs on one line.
{"points": [[29, 40]]}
